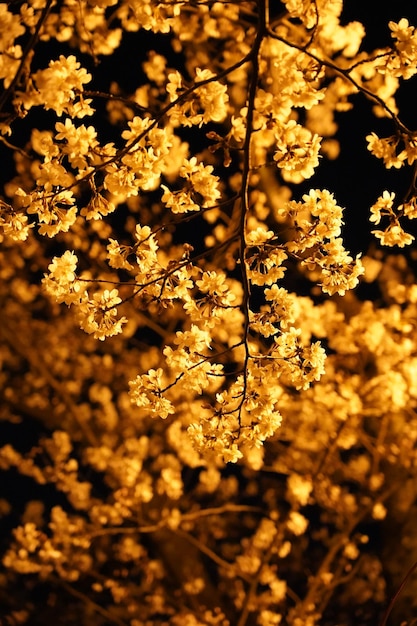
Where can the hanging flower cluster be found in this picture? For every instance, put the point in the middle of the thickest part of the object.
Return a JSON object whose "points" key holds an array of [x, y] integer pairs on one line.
{"points": [[224, 418]]}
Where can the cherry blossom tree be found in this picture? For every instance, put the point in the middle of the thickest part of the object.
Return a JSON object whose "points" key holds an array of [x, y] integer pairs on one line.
{"points": [[208, 400]]}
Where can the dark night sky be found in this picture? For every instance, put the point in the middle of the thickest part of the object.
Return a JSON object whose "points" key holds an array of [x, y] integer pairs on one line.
{"points": [[356, 177], [360, 177]]}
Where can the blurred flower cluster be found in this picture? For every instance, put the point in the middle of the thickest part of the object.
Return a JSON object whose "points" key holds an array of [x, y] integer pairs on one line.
{"points": [[226, 426]]}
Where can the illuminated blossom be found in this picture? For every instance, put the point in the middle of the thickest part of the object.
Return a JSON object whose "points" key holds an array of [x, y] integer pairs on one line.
{"points": [[176, 299], [297, 151]]}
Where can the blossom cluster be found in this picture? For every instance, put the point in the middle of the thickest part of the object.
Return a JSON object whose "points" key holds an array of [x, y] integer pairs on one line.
{"points": [[222, 418]]}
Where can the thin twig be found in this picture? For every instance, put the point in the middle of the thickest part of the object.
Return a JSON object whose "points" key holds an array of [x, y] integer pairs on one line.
{"points": [[30, 45], [395, 597], [108, 615]]}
